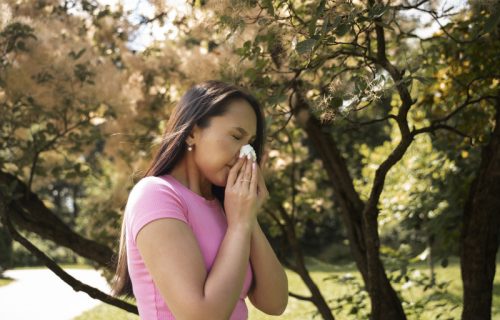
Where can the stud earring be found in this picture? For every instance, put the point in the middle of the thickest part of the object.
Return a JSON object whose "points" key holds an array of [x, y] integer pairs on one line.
{"points": [[190, 148]]}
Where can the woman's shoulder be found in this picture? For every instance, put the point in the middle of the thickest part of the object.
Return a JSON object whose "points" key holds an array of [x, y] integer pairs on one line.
{"points": [[153, 182], [151, 187], [150, 199]]}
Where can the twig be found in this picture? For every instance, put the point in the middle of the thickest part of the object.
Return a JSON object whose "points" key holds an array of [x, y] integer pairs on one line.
{"points": [[297, 296]]}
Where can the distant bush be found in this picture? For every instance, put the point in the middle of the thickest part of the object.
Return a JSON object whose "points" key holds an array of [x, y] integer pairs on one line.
{"points": [[21, 257]]}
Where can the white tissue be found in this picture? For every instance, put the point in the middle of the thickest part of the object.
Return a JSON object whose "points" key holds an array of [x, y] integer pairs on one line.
{"points": [[248, 150]]}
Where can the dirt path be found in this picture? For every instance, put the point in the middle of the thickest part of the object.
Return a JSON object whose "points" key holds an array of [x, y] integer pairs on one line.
{"points": [[40, 294]]}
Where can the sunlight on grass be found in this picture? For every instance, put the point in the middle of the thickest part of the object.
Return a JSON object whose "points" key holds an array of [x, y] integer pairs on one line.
{"points": [[298, 309], [4, 281], [106, 312], [64, 266]]}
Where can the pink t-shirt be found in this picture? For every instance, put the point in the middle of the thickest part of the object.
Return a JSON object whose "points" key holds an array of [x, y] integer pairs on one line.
{"points": [[160, 197]]}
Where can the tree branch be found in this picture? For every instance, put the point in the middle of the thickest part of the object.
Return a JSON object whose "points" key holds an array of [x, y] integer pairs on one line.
{"points": [[297, 296], [63, 275], [35, 217], [433, 128], [366, 123]]}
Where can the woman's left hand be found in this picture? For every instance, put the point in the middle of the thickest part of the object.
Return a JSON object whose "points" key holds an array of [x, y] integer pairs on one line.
{"points": [[262, 193]]}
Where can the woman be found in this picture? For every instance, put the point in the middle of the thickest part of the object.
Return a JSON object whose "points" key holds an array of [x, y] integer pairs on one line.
{"points": [[191, 246]]}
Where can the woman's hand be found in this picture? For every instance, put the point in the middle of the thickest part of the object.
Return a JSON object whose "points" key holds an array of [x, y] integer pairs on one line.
{"points": [[241, 201], [262, 192]]}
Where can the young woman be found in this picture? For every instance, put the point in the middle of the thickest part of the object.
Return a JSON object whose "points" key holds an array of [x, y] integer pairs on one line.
{"points": [[191, 246]]}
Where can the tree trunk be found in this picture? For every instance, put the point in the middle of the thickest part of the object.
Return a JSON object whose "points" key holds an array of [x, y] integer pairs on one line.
{"points": [[480, 234], [300, 267], [430, 245], [387, 302]]}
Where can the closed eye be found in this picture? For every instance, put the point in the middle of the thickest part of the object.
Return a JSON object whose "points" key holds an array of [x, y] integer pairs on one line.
{"points": [[251, 142]]}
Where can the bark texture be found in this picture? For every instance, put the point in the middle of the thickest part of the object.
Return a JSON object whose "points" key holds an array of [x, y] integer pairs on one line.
{"points": [[481, 228]]}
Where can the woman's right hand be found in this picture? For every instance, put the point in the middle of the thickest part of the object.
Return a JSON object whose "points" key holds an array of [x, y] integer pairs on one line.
{"points": [[240, 199]]}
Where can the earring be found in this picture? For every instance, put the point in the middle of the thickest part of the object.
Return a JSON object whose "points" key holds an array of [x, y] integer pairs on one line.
{"points": [[190, 148]]}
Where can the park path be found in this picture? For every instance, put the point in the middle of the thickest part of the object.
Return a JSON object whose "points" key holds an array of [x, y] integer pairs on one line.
{"points": [[40, 294]]}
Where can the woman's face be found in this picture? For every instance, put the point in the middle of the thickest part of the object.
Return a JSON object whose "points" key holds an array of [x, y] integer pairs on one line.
{"points": [[217, 147]]}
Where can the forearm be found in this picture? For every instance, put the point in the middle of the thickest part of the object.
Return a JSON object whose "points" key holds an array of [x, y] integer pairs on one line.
{"points": [[270, 293], [226, 278]]}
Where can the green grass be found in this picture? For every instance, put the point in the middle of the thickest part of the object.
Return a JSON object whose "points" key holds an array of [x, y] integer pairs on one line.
{"points": [[5, 281], [106, 312], [64, 266], [304, 310]]}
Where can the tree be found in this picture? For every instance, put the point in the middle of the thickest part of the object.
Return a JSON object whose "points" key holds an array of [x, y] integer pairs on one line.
{"points": [[368, 45]]}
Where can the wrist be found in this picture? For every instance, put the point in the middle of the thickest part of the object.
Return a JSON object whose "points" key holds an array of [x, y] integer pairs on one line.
{"points": [[247, 225]]}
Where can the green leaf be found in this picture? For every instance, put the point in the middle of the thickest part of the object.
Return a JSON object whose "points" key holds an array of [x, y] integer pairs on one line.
{"points": [[377, 10], [312, 24], [342, 29], [324, 29], [262, 21], [336, 21], [268, 4], [305, 46], [444, 262], [359, 85], [247, 45], [251, 74], [337, 102], [76, 55], [383, 24], [269, 121], [423, 80], [492, 21]]}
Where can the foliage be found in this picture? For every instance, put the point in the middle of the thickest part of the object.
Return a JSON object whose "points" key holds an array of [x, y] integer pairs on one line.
{"points": [[82, 112], [23, 258]]}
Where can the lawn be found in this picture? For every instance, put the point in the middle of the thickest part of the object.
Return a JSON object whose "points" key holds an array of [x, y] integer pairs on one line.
{"points": [[5, 281], [448, 304]]}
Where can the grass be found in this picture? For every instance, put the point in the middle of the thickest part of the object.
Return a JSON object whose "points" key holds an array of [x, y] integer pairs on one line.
{"points": [[5, 281], [64, 266], [449, 304]]}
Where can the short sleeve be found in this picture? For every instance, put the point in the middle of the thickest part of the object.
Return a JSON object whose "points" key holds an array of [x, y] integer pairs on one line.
{"points": [[153, 198]]}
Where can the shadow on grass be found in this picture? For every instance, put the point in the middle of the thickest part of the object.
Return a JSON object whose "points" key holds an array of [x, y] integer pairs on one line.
{"points": [[5, 280], [316, 265], [452, 298]]}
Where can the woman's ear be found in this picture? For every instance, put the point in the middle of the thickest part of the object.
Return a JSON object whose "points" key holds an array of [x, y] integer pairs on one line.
{"points": [[193, 135]]}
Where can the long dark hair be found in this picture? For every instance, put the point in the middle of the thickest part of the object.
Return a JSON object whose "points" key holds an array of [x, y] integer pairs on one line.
{"points": [[197, 106]]}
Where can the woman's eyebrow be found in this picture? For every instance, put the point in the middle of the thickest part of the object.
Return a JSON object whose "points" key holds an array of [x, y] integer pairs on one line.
{"points": [[243, 131]]}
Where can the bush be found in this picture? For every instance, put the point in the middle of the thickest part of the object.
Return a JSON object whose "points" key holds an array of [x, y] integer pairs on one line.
{"points": [[21, 257]]}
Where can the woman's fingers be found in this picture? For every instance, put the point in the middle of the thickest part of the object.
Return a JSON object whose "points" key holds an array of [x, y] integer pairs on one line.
{"points": [[255, 177], [242, 173], [248, 173], [261, 183], [233, 173]]}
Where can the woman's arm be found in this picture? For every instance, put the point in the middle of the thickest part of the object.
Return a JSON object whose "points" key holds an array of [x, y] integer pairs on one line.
{"points": [[270, 292], [178, 269]]}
